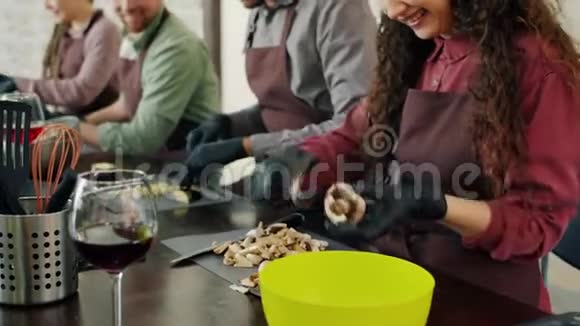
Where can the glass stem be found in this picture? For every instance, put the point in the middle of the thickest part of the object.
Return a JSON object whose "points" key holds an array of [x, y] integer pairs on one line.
{"points": [[117, 299]]}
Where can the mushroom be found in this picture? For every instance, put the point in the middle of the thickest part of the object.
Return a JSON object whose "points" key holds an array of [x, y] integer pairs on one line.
{"points": [[247, 283], [289, 241], [298, 248], [235, 248], [250, 250], [221, 249], [229, 261], [258, 232], [282, 250], [230, 253], [248, 242], [255, 259], [251, 281], [242, 262], [343, 205], [282, 233], [266, 254], [274, 228]]}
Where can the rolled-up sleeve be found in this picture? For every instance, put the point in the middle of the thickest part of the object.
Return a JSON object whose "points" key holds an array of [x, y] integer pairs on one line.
{"points": [[101, 49], [531, 218], [171, 73], [345, 39]]}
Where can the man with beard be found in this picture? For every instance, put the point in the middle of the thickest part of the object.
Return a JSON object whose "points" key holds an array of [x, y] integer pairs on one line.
{"points": [[167, 82]]}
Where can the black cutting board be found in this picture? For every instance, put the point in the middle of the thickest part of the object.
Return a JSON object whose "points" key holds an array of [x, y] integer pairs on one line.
{"points": [[214, 263]]}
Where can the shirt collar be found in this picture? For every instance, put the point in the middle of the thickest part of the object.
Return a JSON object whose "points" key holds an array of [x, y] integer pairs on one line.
{"points": [[278, 4], [78, 33], [452, 49], [139, 40]]}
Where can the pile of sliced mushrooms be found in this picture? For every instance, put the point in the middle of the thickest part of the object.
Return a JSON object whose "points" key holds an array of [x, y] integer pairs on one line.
{"points": [[263, 245], [342, 205]]}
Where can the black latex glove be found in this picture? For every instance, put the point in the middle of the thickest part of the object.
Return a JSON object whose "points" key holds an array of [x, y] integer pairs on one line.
{"points": [[204, 155], [272, 178], [7, 84], [212, 130], [398, 204]]}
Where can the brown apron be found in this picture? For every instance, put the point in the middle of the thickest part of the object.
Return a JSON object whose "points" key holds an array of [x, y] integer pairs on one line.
{"points": [[426, 136], [132, 90], [72, 56], [267, 70]]}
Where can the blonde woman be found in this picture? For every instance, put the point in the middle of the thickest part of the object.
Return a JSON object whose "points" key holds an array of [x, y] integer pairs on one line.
{"points": [[80, 62]]}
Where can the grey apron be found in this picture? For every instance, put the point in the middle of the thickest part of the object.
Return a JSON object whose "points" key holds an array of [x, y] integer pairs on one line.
{"points": [[269, 78], [132, 91], [435, 128]]}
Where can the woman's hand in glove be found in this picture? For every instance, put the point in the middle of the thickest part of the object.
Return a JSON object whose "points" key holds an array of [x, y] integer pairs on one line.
{"points": [[408, 200]]}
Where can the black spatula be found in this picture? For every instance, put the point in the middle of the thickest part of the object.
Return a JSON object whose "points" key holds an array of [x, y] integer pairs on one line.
{"points": [[14, 145]]}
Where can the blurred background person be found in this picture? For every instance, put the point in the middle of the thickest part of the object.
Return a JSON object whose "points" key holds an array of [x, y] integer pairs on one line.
{"points": [[80, 61], [168, 84]]}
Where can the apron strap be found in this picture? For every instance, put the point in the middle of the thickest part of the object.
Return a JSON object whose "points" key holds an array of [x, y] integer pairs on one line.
{"points": [[288, 23], [96, 17], [252, 32]]}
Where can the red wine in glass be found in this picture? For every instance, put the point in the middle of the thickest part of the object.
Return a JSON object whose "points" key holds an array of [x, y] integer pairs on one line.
{"points": [[113, 247], [112, 223]]}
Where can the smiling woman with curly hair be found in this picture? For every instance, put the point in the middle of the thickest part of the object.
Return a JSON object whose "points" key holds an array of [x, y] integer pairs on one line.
{"points": [[483, 98], [499, 27]]}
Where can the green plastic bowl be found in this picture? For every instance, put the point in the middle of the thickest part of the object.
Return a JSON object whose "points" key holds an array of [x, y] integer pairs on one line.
{"points": [[345, 288]]}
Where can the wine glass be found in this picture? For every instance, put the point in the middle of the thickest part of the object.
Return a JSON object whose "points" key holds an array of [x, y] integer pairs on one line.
{"points": [[113, 223]]}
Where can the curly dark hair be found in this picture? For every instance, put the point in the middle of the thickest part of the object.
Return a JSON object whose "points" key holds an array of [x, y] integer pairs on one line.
{"points": [[497, 127]]}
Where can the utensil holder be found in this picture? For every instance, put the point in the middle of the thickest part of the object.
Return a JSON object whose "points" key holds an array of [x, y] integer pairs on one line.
{"points": [[38, 261]]}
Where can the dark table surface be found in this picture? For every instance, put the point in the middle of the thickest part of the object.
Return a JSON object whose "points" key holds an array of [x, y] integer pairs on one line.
{"points": [[154, 294]]}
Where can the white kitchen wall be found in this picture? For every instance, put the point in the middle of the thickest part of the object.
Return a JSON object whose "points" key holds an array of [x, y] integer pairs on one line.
{"points": [[571, 12], [26, 26], [236, 93]]}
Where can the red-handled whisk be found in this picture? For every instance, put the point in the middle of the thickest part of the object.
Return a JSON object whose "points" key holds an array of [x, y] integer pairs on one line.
{"points": [[56, 148]]}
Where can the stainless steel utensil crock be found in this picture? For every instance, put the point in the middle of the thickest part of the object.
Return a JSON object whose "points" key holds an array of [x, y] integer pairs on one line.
{"points": [[38, 262]]}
